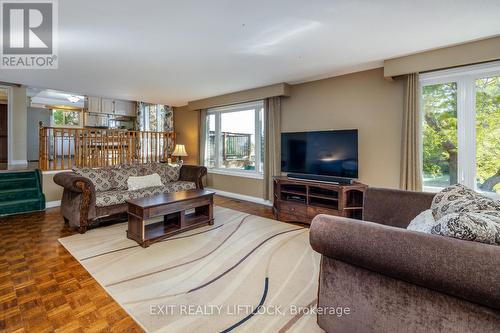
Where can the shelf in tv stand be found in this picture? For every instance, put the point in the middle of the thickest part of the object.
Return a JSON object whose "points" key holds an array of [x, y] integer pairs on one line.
{"points": [[294, 192], [313, 198]]}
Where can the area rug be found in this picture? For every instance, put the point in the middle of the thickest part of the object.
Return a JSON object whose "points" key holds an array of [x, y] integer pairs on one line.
{"points": [[243, 274]]}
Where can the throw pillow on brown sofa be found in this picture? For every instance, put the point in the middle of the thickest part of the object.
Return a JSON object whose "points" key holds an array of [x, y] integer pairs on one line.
{"points": [[102, 178], [459, 198], [480, 226]]}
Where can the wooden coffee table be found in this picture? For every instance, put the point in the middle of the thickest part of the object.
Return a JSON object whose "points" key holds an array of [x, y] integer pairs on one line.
{"points": [[172, 207]]}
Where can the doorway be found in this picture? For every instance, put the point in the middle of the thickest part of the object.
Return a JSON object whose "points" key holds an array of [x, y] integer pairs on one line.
{"points": [[4, 129]]}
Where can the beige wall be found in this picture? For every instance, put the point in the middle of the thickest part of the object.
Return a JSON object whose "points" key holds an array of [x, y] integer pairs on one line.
{"points": [[19, 124], [363, 101], [458, 55], [240, 185], [52, 191], [186, 124]]}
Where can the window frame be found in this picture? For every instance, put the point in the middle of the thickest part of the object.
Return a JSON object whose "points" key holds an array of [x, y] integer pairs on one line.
{"points": [[465, 78], [256, 106]]}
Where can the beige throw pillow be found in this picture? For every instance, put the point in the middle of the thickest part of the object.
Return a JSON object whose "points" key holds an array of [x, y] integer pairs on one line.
{"points": [[136, 183], [423, 222]]}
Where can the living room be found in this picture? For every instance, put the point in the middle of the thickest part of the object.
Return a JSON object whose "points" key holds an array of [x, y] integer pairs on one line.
{"points": [[170, 193]]}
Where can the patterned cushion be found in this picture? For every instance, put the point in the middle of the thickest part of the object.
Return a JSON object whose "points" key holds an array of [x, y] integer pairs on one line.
{"points": [[119, 196], [481, 226], [102, 178], [457, 199], [168, 173], [120, 175]]}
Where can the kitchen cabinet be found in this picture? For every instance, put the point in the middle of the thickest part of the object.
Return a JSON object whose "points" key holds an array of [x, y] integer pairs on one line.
{"points": [[125, 108], [93, 104], [107, 106], [110, 106]]}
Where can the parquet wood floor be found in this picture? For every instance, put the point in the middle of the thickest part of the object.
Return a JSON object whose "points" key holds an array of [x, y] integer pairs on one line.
{"points": [[44, 289]]}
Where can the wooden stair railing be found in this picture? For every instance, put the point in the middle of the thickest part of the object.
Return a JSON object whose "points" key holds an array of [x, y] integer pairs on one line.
{"points": [[62, 148]]}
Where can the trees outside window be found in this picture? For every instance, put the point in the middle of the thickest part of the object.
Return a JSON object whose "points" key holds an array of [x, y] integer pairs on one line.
{"points": [[65, 118], [461, 128]]}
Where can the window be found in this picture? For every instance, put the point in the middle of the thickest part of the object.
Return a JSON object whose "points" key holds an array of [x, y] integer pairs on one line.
{"points": [[65, 118], [235, 139], [461, 127]]}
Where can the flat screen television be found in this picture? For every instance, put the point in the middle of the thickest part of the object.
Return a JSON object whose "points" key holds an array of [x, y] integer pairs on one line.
{"points": [[321, 153]]}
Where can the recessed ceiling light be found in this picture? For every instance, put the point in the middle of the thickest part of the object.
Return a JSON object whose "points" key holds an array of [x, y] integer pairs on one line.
{"points": [[73, 99]]}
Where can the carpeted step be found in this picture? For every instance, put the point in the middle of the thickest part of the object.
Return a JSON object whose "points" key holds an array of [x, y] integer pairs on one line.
{"points": [[18, 174], [21, 206], [19, 194], [16, 183]]}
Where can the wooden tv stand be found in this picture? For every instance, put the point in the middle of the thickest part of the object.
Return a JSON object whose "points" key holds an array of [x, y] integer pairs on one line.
{"points": [[298, 200]]}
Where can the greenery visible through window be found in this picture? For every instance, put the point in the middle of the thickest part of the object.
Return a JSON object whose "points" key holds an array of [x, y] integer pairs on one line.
{"points": [[488, 133], [461, 129], [66, 118], [440, 134]]}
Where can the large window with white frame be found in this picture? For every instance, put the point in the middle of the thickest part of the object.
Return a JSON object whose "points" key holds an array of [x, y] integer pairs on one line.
{"points": [[235, 139], [461, 127]]}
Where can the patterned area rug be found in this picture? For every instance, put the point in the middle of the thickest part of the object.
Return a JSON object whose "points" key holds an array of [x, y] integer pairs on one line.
{"points": [[243, 274]]}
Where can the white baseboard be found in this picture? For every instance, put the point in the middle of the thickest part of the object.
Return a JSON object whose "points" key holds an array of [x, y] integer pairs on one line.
{"points": [[241, 197], [18, 162], [53, 204], [53, 172]]}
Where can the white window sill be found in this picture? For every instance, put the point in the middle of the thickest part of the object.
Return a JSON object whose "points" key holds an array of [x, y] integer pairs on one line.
{"points": [[237, 173], [432, 189]]}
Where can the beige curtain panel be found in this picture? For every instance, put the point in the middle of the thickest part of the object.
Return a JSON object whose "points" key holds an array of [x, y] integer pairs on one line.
{"points": [[272, 154], [411, 166], [202, 135]]}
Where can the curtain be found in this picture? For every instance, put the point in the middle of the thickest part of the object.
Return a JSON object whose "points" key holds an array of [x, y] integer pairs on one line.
{"points": [[154, 117], [411, 170], [168, 118], [272, 138], [202, 135], [139, 120]]}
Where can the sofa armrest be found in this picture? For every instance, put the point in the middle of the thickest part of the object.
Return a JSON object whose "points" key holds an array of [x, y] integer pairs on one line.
{"points": [[193, 173], [464, 269], [394, 207], [70, 181]]}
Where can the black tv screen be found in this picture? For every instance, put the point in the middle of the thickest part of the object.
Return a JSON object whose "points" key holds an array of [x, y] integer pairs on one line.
{"points": [[326, 153]]}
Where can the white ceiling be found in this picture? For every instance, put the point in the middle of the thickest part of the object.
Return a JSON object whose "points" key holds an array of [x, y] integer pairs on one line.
{"points": [[54, 97], [175, 51]]}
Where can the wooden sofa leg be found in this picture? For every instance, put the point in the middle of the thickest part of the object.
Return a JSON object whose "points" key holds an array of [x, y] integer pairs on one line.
{"points": [[82, 230]]}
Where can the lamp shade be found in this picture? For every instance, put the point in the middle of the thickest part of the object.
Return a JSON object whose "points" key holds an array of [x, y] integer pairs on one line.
{"points": [[179, 150]]}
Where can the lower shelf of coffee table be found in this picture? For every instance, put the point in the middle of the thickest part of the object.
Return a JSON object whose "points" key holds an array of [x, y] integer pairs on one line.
{"points": [[167, 228], [170, 225]]}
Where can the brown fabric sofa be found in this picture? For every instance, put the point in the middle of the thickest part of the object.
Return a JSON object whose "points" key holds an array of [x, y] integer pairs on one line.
{"points": [[396, 280], [92, 194]]}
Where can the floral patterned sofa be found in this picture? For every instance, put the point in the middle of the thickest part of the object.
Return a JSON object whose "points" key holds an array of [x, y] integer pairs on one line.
{"points": [[92, 194]]}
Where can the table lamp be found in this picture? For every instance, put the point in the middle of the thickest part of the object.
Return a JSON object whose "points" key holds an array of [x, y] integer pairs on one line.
{"points": [[179, 151]]}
